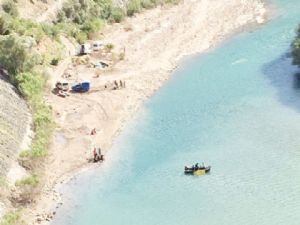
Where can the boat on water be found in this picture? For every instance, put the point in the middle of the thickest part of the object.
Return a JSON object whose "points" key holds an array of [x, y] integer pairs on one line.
{"points": [[196, 170]]}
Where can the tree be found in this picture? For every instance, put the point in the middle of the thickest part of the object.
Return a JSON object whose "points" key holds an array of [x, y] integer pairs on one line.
{"points": [[30, 85], [4, 30], [10, 8], [117, 15], [14, 56], [296, 49], [133, 6]]}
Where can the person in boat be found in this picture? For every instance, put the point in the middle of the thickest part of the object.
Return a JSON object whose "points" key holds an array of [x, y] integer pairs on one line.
{"points": [[202, 167], [196, 166]]}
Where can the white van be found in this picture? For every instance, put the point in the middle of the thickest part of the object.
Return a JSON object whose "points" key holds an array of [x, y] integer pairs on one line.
{"points": [[98, 45]]}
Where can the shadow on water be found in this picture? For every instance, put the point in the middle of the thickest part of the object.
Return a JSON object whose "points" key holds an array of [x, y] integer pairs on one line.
{"points": [[286, 79]]}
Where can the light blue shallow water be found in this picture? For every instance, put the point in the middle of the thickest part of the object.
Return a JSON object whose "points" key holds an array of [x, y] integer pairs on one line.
{"points": [[236, 108]]}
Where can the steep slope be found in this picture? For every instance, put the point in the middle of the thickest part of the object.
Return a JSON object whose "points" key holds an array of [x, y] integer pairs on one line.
{"points": [[14, 125]]}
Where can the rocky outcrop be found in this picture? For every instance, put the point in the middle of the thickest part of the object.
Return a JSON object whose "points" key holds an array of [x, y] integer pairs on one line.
{"points": [[14, 124]]}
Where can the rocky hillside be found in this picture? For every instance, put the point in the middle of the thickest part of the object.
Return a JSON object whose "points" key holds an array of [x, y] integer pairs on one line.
{"points": [[14, 124]]}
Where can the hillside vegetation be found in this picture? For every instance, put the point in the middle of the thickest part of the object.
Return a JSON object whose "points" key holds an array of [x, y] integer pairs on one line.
{"points": [[296, 48]]}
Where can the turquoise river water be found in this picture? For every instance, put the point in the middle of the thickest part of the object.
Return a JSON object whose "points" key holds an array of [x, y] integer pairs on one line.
{"points": [[236, 108]]}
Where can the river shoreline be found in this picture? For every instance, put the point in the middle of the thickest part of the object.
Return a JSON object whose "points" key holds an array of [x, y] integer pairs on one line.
{"points": [[145, 69]]}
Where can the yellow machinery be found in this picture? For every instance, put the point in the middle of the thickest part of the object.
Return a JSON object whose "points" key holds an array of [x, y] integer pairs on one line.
{"points": [[199, 172]]}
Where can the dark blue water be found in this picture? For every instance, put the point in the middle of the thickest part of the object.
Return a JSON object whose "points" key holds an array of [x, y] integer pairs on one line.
{"points": [[236, 108]]}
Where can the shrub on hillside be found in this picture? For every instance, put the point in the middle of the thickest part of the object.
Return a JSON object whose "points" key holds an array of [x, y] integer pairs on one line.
{"points": [[109, 47], [27, 190], [133, 6], [172, 2], [10, 218], [92, 26], [117, 15], [54, 62], [69, 29], [14, 56], [4, 29], [24, 27], [81, 37], [106, 7], [10, 8], [147, 4], [296, 49], [43, 126], [61, 16], [51, 30], [79, 11], [30, 85], [31, 180]]}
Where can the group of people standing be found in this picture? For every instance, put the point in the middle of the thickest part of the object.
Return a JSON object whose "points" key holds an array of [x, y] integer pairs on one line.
{"points": [[97, 151]]}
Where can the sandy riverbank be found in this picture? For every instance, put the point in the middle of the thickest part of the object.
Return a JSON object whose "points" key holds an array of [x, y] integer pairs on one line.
{"points": [[154, 41]]}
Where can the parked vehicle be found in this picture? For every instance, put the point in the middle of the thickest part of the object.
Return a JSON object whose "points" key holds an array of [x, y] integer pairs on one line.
{"points": [[98, 45], [64, 86], [81, 87]]}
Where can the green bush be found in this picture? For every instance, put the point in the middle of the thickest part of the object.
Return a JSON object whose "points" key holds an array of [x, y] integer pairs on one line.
{"points": [[4, 29], [30, 85], [109, 47], [31, 180], [14, 56], [69, 29], [147, 4], [24, 27], [172, 2], [61, 16], [10, 8], [81, 37], [92, 26], [82, 19], [54, 62], [133, 6], [117, 15], [106, 7], [43, 127], [296, 49], [51, 30], [10, 218], [78, 11]]}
